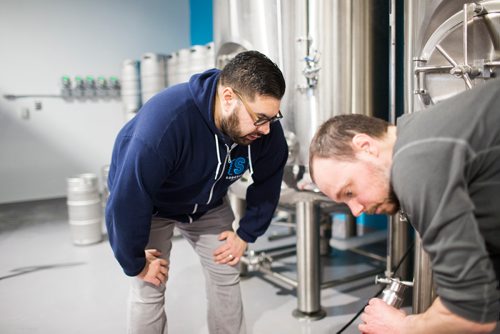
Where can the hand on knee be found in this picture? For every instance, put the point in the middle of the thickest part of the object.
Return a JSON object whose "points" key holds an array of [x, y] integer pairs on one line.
{"points": [[156, 269], [231, 251]]}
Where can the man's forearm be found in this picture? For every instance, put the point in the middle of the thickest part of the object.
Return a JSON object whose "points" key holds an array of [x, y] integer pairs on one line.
{"points": [[439, 320]]}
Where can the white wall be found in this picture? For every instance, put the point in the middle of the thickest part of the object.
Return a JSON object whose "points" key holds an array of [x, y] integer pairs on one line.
{"points": [[40, 41]]}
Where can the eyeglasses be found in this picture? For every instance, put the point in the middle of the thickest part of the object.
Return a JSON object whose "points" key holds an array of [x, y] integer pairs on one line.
{"points": [[259, 119]]}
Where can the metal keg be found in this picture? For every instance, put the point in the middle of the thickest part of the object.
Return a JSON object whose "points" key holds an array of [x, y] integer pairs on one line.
{"points": [[210, 55], [131, 86], [172, 60], [183, 71], [84, 209], [105, 189], [153, 74], [104, 194], [198, 59]]}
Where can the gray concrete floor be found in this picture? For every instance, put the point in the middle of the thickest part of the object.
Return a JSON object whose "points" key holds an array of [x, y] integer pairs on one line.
{"points": [[49, 285]]}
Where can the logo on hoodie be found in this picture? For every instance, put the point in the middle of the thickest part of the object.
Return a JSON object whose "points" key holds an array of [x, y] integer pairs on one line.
{"points": [[236, 168]]}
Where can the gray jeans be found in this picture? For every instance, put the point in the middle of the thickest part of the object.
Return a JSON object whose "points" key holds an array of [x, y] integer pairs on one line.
{"points": [[146, 311]]}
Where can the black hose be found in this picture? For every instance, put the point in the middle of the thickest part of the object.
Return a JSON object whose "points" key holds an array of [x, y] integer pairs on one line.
{"points": [[378, 293]]}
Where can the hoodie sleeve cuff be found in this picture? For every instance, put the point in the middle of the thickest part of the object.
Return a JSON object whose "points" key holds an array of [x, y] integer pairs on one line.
{"points": [[245, 236], [137, 270]]}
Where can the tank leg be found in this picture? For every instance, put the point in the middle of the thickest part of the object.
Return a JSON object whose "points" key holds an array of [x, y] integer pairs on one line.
{"points": [[308, 262]]}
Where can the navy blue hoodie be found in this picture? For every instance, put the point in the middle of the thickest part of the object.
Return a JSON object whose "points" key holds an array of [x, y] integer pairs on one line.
{"points": [[170, 160]]}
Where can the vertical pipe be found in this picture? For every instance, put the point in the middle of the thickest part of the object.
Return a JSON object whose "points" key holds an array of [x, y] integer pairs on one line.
{"points": [[279, 30], [408, 54], [392, 63], [362, 54], [308, 266], [464, 32], [423, 292], [397, 229], [340, 44], [397, 245]]}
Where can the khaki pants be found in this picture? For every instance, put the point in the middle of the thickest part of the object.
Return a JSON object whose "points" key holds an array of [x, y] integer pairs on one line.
{"points": [[146, 312]]}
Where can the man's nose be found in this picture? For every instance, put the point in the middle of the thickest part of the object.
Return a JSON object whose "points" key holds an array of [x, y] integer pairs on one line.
{"points": [[356, 208], [265, 128]]}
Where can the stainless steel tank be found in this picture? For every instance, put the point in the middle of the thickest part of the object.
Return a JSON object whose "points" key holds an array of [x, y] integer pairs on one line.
{"points": [[450, 46], [446, 56], [326, 49]]}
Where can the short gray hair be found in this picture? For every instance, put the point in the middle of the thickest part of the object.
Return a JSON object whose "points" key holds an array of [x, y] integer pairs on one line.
{"points": [[334, 137]]}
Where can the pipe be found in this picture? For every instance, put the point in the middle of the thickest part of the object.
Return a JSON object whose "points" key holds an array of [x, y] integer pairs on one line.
{"points": [[14, 97], [392, 63], [423, 291], [354, 242], [408, 54], [336, 282], [308, 266], [278, 276], [397, 245]]}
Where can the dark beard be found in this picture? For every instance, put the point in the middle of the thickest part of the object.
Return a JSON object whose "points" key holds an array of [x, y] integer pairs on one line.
{"points": [[230, 126]]}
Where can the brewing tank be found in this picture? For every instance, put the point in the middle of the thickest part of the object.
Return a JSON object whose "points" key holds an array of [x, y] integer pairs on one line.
{"points": [[453, 46], [333, 55]]}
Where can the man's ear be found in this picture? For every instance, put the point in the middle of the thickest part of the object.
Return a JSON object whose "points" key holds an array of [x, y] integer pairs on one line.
{"points": [[228, 97], [362, 142]]}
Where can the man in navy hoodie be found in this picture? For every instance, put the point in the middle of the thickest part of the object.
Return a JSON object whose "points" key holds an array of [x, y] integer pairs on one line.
{"points": [[171, 167]]}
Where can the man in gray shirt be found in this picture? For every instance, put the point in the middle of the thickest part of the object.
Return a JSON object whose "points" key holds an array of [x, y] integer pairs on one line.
{"points": [[441, 167]]}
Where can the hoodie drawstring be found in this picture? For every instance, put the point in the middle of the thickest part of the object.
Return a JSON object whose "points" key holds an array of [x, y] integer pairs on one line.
{"points": [[227, 158], [218, 157], [250, 160]]}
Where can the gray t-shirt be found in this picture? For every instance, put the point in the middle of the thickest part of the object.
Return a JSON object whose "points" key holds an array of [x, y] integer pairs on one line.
{"points": [[446, 175]]}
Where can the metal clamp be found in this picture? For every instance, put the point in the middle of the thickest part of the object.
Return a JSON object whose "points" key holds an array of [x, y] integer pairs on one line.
{"points": [[394, 293]]}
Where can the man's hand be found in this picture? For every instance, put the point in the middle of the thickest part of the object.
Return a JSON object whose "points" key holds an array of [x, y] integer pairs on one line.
{"points": [[156, 269], [232, 250], [380, 318]]}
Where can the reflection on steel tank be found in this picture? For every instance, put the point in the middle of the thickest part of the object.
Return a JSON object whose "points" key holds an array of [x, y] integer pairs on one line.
{"points": [[333, 54], [131, 87], [153, 74], [181, 65]]}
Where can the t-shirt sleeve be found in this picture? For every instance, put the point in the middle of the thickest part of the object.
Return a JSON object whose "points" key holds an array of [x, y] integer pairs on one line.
{"points": [[428, 178]]}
